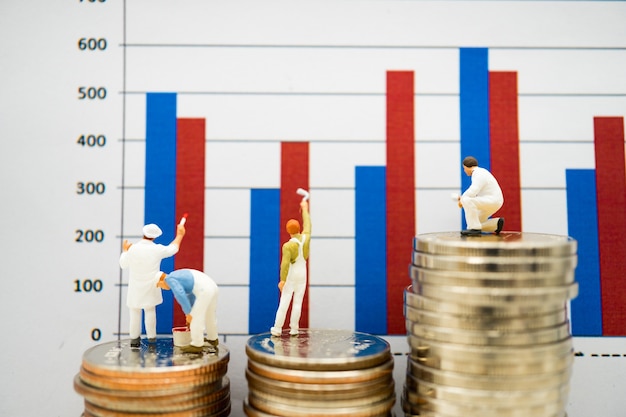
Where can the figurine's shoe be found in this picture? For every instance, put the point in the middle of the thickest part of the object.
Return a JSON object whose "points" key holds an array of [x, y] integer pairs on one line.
{"points": [[471, 232], [500, 225], [213, 343], [152, 340], [294, 332], [135, 343], [191, 349], [275, 331]]}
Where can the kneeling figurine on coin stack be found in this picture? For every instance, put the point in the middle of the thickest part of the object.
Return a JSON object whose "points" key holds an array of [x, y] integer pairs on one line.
{"points": [[482, 199], [197, 294]]}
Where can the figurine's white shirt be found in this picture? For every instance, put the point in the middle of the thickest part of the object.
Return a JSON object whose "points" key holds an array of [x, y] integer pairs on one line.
{"points": [[144, 261], [484, 184]]}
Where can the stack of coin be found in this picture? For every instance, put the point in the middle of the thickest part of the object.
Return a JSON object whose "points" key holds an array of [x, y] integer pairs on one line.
{"points": [[156, 379], [319, 373], [487, 325]]}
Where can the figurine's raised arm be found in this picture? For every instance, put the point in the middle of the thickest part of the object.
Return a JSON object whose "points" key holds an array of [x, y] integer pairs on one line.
{"points": [[306, 227], [180, 233]]}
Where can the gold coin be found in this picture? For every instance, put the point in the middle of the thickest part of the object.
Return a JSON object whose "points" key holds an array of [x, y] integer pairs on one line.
{"points": [[220, 409], [318, 391], [486, 264], [506, 244], [417, 391], [489, 279], [422, 302], [494, 337], [494, 354], [419, 372], [381, 408], [486, 322], [153, 401], [496, 297]]}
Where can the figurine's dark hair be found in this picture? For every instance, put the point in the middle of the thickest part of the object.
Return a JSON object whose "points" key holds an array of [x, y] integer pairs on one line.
{"points": [[470, 161]]}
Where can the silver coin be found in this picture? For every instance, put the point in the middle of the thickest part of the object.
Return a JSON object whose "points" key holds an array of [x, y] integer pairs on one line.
{"points": [[118, 359], [319, 349], [490, 279], [419, 301], [538, 265], [512, 244], [485, 322], [321, 377]]}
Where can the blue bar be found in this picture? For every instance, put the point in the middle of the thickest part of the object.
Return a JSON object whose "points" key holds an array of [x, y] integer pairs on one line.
{"points": [[370, 250], [160, 191], [474, 102], [582, 224], [264, 258]]}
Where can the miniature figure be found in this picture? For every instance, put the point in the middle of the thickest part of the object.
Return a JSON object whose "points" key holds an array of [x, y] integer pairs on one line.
{"points": [[143, 259], [482, 199], [197, 294], [293, 270]]}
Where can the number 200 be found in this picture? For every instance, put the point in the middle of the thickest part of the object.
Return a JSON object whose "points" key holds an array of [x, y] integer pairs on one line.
{"points": [[89, 236]]}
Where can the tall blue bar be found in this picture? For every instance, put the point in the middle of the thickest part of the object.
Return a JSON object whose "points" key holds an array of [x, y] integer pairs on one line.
{"points": [[264, 258], [370, 250], [160, 185], [582, 224], [474, 102]]}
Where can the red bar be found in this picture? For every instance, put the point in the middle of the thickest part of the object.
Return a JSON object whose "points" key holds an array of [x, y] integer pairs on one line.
{"points": [[294, 174], [400, 185], [504, 146], [611, 199], [190, 184]]}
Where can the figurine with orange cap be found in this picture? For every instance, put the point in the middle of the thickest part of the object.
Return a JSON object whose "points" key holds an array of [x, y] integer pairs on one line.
{"points": [[293, 272]]}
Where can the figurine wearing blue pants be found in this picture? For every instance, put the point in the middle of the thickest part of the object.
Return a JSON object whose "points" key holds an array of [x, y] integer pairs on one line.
{"points": [[197, 294]]}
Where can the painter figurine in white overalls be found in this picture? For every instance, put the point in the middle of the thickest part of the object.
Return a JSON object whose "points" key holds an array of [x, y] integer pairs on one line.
{"points": [[293, 270]]}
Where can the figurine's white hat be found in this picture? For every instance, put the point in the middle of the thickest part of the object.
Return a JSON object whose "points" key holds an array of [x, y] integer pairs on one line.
{"points": [[152, 231]]}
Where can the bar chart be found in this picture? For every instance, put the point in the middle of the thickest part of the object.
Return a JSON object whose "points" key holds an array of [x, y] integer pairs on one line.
{"points": [[595, 202], [149, 109], [372, 212]]}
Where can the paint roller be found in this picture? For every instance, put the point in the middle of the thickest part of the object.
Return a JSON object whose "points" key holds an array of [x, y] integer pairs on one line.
{"points": [[304, 193]]}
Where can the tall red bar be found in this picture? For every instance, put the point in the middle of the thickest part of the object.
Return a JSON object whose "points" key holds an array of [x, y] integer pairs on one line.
{"points": [[400, 184], [190, 187], [294, 174], [504, 144], [611, 201]]}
